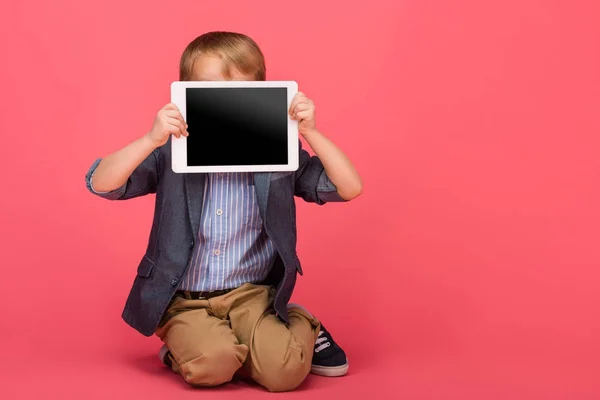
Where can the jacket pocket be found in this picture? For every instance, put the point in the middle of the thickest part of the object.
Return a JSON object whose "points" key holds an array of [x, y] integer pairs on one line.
{"points": [[145, 268]]}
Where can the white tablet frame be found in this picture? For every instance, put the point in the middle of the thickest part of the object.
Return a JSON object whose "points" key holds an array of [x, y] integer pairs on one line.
{"points": [[179, 145]]}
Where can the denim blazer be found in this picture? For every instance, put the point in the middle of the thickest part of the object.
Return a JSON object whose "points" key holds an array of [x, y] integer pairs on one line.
{"points": [[177, 211]]}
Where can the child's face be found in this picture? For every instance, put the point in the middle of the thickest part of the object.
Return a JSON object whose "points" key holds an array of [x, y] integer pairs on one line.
{"points": [[210, 68]]}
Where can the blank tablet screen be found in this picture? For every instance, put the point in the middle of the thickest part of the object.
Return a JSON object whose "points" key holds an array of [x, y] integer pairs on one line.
{"points": [[237, 126]]}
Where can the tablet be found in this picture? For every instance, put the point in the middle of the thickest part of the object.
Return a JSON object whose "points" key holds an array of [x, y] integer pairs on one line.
{"points": [[235, 126]]}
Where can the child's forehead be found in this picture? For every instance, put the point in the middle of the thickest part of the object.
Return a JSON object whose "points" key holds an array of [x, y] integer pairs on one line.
{"points": [[207, 67], [210, 67]]}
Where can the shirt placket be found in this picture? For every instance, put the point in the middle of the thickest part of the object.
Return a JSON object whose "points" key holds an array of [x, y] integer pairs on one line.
{"points": [[218, 199]]}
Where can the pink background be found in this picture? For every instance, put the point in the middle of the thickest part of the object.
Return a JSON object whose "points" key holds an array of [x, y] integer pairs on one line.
{"points": [[468, 269]]}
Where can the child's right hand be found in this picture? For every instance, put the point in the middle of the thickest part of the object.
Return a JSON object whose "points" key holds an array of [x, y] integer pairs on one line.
{"points": [[168, 122]]}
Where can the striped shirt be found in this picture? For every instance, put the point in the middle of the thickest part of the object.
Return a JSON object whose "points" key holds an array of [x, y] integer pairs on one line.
{"points": [[232, 246]]}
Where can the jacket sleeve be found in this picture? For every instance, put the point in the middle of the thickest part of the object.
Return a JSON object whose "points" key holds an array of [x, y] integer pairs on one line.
{"points": [[142, 181], [312, 183]]}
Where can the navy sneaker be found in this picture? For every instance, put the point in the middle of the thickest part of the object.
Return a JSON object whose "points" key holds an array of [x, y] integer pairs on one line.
{"points": [[328, 359]]}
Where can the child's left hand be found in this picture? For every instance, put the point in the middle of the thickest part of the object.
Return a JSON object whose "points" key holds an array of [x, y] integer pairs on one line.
{"points": [[303, 111]]}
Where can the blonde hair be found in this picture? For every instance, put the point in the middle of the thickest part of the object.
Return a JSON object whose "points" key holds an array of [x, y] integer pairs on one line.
{"points": [[235, 50]]}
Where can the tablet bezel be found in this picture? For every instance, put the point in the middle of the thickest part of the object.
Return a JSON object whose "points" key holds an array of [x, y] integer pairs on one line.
{"points": [[179, 145]]}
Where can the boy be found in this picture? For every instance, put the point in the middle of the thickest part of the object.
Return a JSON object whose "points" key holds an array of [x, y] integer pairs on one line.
{"points": [[221, 263]]}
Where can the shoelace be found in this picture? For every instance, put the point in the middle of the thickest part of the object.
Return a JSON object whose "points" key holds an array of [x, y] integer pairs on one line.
{"points": [[322, 342]]}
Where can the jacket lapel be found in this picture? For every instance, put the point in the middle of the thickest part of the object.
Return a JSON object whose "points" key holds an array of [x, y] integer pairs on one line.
{"points": [[262, 183], [194, 193]]}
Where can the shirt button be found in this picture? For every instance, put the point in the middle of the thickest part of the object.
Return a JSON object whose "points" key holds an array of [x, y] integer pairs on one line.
{"points": [[174, 281], [219, 212], [217, 252], [191, 245]]}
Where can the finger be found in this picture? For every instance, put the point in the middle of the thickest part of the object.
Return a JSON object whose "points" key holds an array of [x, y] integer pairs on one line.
{"points": [[177, 125], [176, 114], [299, 97], [180, 127], [303, 115], [170, 106], [175, 132], [173, 113], [302, 107], [176, 121]]}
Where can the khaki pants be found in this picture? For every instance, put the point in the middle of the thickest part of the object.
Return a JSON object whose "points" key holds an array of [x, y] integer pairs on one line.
{"points": [[210, 340]]}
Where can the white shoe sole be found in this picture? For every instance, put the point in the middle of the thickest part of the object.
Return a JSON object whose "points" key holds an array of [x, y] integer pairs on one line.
{"points": [[330, 371], [162, 353]]}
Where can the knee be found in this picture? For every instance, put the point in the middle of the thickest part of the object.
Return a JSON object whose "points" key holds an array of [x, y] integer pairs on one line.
{"points": [[287, 375], [214, 367]]}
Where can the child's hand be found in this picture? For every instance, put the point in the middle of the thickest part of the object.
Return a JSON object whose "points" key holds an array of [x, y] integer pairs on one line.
{"points": [[303, 111], [168, 122]]}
